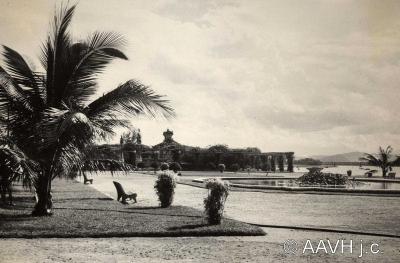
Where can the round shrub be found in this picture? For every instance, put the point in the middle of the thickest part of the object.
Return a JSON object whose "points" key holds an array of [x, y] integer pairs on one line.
{"points": [[165, 188], [221, 167], [164, 166], [235, 167], [214, 203], [175, 166]]}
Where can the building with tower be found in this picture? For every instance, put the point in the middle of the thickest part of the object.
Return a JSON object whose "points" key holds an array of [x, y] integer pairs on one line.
{"points": [[131, 150]]}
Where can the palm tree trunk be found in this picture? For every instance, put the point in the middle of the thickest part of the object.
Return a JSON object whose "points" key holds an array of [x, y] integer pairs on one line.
{"points": [[43, 191], [384, 171]]}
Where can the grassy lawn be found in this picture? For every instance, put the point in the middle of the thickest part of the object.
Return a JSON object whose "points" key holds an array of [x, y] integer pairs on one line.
{"points": [[81, 211]]}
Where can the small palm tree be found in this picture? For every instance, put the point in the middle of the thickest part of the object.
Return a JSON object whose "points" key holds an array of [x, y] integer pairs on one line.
{"points": [[14, 166], [50, 115], [384, 159]]}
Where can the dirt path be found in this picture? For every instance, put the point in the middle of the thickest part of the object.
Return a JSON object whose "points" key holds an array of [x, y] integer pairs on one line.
{"points": [[193, 249]]}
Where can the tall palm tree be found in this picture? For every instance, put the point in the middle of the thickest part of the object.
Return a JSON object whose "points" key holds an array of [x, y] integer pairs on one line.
{"points": [[50, 115], [384, 159]]}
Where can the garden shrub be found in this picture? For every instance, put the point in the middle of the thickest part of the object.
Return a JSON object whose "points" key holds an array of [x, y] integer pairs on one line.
{"points": [[316, 177], [164, 166], [235, 167], [175, 166], [214, 203], [140, 165], [165, 188], [221, 167]]}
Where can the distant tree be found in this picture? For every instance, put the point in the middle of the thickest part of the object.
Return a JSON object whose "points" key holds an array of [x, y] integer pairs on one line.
{"points": [[383, 159], [253, 150], [308, 161], [164, 166], [175, 166], [221, 167], [219, 148]]}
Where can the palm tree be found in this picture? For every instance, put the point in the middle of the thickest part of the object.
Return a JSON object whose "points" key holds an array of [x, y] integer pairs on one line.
{"points": [[14, 166], [49, 114], [384, 159]]}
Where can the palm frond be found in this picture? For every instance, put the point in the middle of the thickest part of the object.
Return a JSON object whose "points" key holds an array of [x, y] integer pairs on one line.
{"points": [[105, 126], [61, 126], [88, 59], [370, 159], [106, 165], [385, 154], [396, 161], [12, 96], [68, 157], [22, 73], [131, 98], [56, 55], [17, 167]]}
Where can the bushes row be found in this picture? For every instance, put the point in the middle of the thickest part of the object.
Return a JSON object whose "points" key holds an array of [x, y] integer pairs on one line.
{"points": [[214, 203], [175, 166]]}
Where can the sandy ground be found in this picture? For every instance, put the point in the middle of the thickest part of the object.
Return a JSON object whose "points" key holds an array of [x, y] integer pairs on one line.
{"points": [[349, 212], [198, 249]]}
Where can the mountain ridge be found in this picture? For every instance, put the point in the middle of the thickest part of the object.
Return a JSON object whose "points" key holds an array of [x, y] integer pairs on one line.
{"points": [[341, 157]]}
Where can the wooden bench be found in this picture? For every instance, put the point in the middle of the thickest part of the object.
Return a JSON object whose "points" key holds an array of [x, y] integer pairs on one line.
{"points": [[87, 180], [124, 195]]}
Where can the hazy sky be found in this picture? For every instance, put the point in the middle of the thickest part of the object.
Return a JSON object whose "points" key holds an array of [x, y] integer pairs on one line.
{"points": [[310, 76]]}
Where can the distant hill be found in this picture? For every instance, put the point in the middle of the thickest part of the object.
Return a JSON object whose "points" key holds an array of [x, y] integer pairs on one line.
{"points": [[343, 157]]}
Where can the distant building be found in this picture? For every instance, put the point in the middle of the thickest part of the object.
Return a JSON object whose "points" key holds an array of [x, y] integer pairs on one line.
{"points": [[132, 151]]}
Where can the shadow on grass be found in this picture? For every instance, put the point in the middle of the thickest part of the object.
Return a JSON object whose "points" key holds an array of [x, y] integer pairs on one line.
{"points": [[144, 207], [16, 206], [127, 212], [18, 217], [61, 200], [188, 227]]}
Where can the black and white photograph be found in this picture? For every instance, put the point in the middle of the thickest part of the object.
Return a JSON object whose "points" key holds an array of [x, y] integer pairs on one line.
{"points": [[199, 131]]}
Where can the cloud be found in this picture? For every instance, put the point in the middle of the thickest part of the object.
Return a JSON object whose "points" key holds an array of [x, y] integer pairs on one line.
{"points": [[310, 76], [191, 11], [179, 74]]}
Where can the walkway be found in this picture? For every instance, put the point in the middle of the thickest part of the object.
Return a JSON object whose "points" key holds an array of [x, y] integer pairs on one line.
{"points": [[372, 214]]}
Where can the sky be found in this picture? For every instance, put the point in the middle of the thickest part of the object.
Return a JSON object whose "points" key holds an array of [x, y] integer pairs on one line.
{"points": [[310, 76]]}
